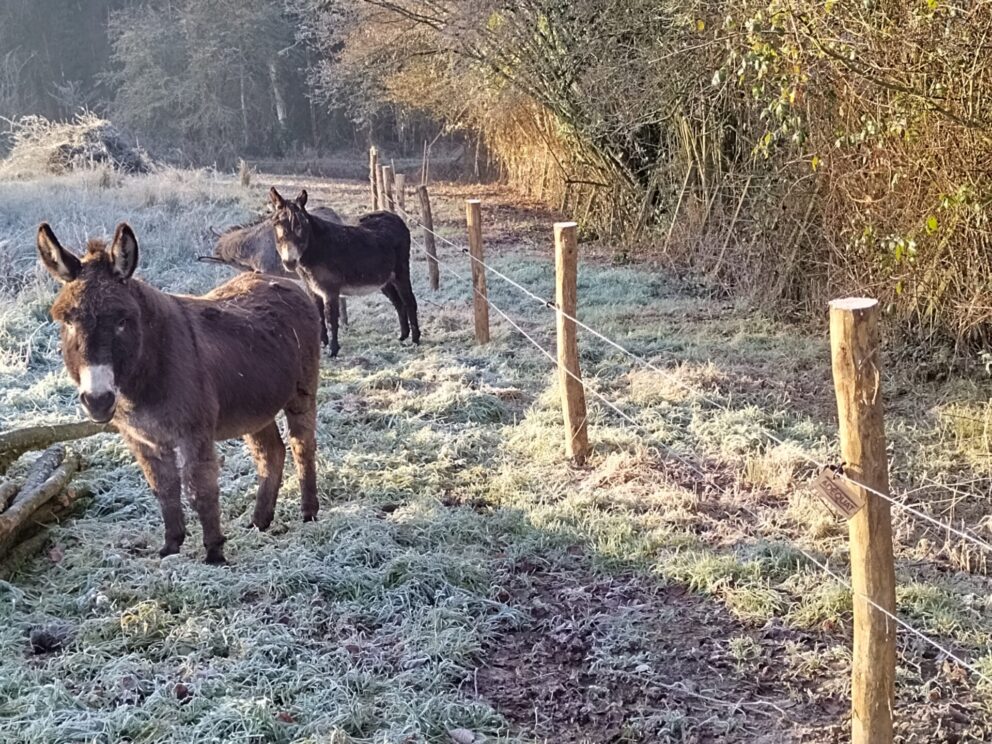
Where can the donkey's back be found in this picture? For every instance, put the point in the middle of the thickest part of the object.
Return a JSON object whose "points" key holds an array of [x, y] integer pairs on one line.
{"points": [[259, 341], [365, 256]]}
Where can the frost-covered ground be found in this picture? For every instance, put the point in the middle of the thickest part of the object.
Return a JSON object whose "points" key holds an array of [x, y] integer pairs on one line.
{"points": [[461, 574]]}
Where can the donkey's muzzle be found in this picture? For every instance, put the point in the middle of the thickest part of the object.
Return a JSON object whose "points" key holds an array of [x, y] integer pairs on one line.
{"points": [[99, 406]]}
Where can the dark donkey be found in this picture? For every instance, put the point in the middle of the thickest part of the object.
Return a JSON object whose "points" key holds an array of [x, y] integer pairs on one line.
{"points": [[176, 373], [252, 247], [337, 260]]}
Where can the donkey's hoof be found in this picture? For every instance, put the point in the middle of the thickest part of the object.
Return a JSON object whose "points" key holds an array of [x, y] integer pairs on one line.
{"points": [[310, 516], [261, 523], [416, 339], [168, 549], [215, 557]]}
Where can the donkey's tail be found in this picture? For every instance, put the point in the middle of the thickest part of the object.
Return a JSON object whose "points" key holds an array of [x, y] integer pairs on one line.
{"points": [[221, 261]]}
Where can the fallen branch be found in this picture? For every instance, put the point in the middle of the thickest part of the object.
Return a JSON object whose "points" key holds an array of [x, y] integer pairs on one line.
{"points": [[46, 479], [8, 490], [15, 443]]}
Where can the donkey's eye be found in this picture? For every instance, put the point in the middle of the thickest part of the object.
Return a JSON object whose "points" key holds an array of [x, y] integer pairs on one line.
{"points": [[121, 327]]}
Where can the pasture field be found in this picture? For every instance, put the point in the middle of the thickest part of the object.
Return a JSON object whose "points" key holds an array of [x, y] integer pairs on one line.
{"points": [[461, 574]]}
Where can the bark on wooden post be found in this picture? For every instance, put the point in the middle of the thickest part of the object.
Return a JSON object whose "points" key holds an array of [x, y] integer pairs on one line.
{"points": [[573, 397], [380, 187], [429, 245], [389, 201], [401, 191], [473, 217], [343, 311], [373, 176], [854, 342]]}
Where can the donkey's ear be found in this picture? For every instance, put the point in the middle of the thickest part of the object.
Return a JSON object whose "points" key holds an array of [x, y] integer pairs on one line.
{"points": [[301, 200], [276, 198], [60, 263], [124, 251]]}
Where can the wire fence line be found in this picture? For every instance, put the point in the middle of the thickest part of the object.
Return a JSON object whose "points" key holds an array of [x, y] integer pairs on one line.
{"points": [[647, 364], [948, 653], [598, 395]]}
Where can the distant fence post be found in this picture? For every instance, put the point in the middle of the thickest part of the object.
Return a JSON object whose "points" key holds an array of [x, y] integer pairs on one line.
{"points": [[473, 217], [389, 201], [854, 344], [573, 398], [343, 311], [373, 175], [401, 191], [429, 245], [380, 187]]}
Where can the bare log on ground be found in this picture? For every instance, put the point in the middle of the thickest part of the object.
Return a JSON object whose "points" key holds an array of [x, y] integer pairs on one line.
{"points": [[15, 443], [46, 479], [8, 490]]}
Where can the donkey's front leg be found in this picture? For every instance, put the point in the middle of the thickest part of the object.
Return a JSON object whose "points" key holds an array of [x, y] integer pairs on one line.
{"points": [[319, 302], [162, 473], [332, 306], [200, 474]]}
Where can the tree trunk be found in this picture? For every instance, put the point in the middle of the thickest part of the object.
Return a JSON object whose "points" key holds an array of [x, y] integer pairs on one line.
{"points": [[244, 109], [277, 95]]}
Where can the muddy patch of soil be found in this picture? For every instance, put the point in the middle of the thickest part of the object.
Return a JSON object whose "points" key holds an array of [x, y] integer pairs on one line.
{"points": [[618, 659]]}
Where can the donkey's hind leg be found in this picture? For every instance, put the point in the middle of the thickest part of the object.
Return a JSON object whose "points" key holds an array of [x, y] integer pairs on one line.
{"points": [[410, 303], [269, 453], [301, 416], [394, 296]]}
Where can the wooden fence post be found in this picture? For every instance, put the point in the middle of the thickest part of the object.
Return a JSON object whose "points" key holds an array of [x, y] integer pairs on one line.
{"points": [[854, 343], [389, 201], [473, 217], [380, 187], [429, 245], [401, 191], [573, 397], [373, 176]]}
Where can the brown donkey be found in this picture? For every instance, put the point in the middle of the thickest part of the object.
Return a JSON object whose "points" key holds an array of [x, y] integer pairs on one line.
{"points": [[177, 373]]}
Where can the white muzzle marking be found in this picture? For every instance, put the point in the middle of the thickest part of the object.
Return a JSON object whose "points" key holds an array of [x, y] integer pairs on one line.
{"points": [[97, 380]]}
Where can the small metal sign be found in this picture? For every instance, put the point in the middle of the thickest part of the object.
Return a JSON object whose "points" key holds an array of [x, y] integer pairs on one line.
{"points": [[838, 494]]}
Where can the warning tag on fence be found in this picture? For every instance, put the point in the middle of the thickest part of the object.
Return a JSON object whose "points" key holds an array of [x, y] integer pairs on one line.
{"points": [[837, 494]]}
